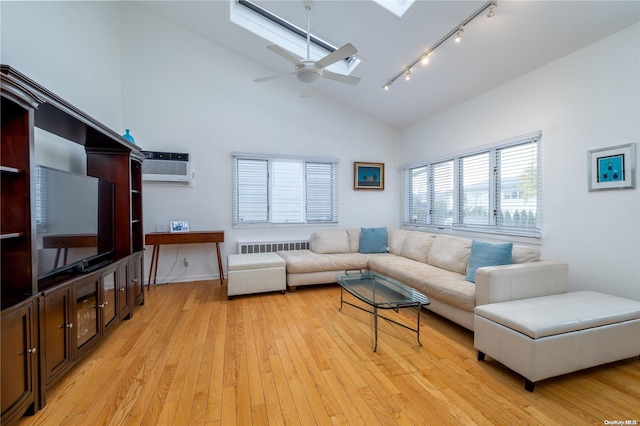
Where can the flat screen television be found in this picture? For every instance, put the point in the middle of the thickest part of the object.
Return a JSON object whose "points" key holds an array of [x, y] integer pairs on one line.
{"points": [[74, 222]]}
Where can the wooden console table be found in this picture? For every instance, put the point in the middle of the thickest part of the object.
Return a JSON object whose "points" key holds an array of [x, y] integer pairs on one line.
{"points": [[66, 242], [156, 239]]}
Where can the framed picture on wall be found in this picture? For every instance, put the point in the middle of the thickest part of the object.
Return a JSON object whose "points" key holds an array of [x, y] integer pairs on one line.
{"points": [[612, 168], [179, 226], [368, 175]]}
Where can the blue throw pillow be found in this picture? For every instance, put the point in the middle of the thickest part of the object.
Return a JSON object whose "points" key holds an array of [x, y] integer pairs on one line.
{"points": [[373, 240], [487, 254]]}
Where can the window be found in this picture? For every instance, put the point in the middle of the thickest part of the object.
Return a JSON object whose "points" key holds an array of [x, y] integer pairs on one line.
{"points": [[41, 200], [291, 37], [495, 189], [284, 190]]}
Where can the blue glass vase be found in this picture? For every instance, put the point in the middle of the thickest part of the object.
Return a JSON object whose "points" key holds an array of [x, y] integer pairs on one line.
{"points": [[128, 136]]}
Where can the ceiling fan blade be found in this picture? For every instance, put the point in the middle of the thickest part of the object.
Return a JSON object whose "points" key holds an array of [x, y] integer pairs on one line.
{"points": [[260, 80], [341, 77], [305, 92], [288, 56], [342, 53]]}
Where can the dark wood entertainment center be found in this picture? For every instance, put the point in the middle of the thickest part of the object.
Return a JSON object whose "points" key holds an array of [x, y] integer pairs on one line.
{"points": [[49, 324]]}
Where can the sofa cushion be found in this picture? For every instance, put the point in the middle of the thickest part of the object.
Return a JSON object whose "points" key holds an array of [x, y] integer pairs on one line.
{"points": [[305, 261], [373, 240], [354, 240], [445, 286], [487, 254], [395, 239], [522, 254], [417, 245], [450, 253], [330, 241]]}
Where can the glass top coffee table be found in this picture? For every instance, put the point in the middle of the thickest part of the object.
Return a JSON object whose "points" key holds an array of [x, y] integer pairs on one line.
{"points": [[380, 292]]}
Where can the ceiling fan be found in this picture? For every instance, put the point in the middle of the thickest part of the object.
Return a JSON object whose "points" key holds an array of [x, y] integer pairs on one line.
{"points": [[307, 70]]}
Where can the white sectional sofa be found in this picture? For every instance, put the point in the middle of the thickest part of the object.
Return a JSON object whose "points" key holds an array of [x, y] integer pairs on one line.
{"points": [[434, 264]]}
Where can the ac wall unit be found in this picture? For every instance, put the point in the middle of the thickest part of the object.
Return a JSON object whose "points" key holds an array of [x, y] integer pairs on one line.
{"points": [[166, 167]]}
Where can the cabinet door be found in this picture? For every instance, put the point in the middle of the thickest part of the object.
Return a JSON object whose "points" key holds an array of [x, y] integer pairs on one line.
{"points": [[124, 290], [108, 297], [85, 301], [58, 327], [19, 360]]}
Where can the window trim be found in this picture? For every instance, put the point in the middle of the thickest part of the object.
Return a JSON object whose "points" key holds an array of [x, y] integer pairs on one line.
{"points": [[532, 234]]}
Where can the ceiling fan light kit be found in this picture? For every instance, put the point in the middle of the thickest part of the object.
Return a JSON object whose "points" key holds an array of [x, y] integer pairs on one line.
{"points": [[457, 31], [307, 70]]}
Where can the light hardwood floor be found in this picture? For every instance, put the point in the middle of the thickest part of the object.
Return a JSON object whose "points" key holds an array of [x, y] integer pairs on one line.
{"points": [[189, 357]]}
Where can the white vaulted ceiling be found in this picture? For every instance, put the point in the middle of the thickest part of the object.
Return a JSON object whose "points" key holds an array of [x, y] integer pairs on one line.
{"points": [[523, 36]]}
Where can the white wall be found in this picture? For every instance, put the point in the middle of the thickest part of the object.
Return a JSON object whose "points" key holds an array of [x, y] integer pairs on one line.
{"points": [[71, 48], [587, 100], [182, 93]]}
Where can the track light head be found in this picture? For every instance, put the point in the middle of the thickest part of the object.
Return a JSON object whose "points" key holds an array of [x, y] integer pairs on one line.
{"points": [[408, 75], [386, 86], [459, 34], [425, 59], [492, 10]]}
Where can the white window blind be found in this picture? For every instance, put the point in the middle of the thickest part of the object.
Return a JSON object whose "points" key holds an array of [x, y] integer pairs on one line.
{"points": [[494, 189], [416, 184], [322, 192], [475, 175], [251, 182], [284, 190], [42, 201], [442, 194], [518, 185]]}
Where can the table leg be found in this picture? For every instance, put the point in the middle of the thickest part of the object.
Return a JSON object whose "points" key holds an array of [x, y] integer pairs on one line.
{"points": [[220, 271], [418, 327], [55, 264], [153, 259], [375, 327]]}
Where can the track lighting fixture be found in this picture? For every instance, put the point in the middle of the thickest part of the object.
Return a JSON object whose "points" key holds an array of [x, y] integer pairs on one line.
{"points": [[457, 32]]}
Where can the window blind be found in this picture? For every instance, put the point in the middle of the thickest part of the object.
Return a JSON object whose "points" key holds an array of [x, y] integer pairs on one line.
{"points": [[41, 201], [251, 195], [441, 208], [322, 192], [496, 189], [284, 190], [475, 175]]}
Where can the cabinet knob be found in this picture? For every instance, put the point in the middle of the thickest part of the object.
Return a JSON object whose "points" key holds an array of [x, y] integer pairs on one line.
{"points": [[123, 289], [32, 350], [70, 325], [103, 304], [135, 280]]}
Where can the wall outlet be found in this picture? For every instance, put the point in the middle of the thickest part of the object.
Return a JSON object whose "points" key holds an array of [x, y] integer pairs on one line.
{"points": [[186, 262]]}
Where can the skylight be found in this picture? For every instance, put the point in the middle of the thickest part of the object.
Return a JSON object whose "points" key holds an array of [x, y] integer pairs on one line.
{"points": [[397, 7], [285, 34]]}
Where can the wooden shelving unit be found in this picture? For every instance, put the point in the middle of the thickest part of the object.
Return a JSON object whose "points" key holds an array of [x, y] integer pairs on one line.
{"points": [[41, 338]]}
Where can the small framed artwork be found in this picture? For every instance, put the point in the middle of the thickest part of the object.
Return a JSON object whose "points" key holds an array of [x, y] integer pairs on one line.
{"points": [[612, 168], [368, 175], [179, 226]]}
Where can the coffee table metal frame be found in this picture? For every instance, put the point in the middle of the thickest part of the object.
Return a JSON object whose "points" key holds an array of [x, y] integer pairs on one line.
{"points": [[381, 287]]}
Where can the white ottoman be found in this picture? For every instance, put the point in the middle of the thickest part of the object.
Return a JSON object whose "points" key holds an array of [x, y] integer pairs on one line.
{"points": [[547, 336], [255, 273]]}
